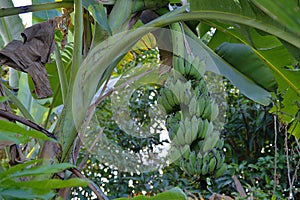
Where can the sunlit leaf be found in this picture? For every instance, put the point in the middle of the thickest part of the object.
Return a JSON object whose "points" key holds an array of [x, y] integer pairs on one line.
{"points": [[10, 130], [52, 184], [44, 169], [285, 12]]}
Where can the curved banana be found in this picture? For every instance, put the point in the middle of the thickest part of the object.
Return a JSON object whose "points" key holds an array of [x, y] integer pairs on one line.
{"points": [[221, 170]]}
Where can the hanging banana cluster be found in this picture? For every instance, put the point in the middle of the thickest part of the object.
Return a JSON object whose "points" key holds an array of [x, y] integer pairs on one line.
{"points": [[196, 145]]}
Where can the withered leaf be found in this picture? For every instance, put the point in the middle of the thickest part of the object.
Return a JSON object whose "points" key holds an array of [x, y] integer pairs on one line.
{"points": [[32, 54]]}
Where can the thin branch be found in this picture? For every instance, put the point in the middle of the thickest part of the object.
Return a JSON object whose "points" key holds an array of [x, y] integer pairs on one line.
{"points": [[275, 156], [103, 96], [239, 186], [99, 193], [288, 162], [85, 158], [298, 164], [33, 8], [26, 122]]}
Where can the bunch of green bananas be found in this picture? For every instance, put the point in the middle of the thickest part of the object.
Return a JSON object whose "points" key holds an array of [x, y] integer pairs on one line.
{"points": [[196, 144], [196, 163]]}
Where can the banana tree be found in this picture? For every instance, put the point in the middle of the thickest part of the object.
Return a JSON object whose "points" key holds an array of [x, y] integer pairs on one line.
{"points": [[254, 44]]}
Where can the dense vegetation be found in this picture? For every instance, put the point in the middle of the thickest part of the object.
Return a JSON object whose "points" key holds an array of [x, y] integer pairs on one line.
{"points": [[108, 99]]}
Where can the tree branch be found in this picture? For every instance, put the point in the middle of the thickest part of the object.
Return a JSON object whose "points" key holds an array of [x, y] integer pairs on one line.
{"points": [[12, 117], [92, 186]]}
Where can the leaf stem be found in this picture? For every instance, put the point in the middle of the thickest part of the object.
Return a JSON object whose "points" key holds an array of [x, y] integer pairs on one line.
{"points": [[230, 17], [77, 53], [61, 73], [33, 8]]}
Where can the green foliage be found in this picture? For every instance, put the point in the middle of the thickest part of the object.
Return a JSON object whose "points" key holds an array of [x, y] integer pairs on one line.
{"points": [[246, 61], [12, 132], [267, 30], [269, 49], [175, 193], [249, 143], [18, 182]]}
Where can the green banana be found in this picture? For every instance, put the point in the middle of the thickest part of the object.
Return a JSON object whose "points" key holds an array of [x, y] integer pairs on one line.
{"points": [[174, 154], [198, 166], [188, 66], [214, 111], [219, 145], [162, 102], [169, 96], [207, 110], [178, 48], [200, 67], [197, 69], [185, 151], [194, 128], [210, 141], [191, 129], [207, 128], [172, 134], [188, 131], [193, 106], [212, 164], [187, 93], [205, 165], [200, 107], [220, 159], [180, 135], [221, 170], [178, 64]]}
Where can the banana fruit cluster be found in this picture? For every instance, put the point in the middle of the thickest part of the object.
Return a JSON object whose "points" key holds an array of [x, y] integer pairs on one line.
{"points": [[196, 144]]}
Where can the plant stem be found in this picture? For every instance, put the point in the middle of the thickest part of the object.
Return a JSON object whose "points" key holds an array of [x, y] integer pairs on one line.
{"points": [[33, 8], [77, 53], [61, 73]]}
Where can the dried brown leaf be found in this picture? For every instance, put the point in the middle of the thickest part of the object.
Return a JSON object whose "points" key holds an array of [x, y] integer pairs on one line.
{"points": [[32, 54]]}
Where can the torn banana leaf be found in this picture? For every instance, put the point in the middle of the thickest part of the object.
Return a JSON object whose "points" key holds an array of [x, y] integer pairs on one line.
{"points": [[31, 55]]}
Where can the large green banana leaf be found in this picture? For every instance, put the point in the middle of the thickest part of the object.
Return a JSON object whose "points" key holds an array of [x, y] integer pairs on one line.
{"points": [[278, 49]]}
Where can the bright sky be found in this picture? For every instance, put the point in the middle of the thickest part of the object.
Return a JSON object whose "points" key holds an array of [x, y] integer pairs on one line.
{"points": [[26, 18]]}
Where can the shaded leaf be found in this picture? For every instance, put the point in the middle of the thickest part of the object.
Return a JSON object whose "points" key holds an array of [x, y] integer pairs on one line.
{"points": [[285, 12], [244, 59], [120, 15], [99, 13], [20, 193]]}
